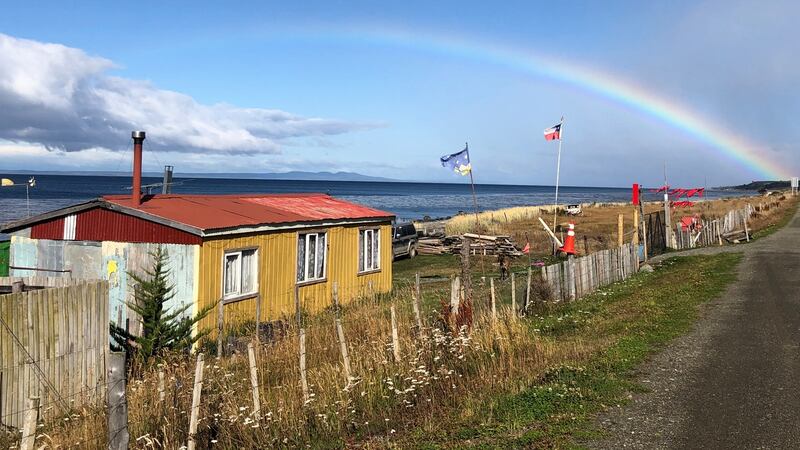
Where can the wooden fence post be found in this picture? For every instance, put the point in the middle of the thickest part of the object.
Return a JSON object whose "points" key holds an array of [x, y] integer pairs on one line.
{"points": [[746, 231], [619, 230], [573, 283], [395, 339], [494, 302], [644, 238], [415, 303], [251, 355], [348, 374], [303, 375], [29, 424], [196, 391], [220, 323], [635, 226], [17, 287], [301, 337], [118, 435], [455, 298], [513, 294], [528, 292], [258, 317], [161, 394]]}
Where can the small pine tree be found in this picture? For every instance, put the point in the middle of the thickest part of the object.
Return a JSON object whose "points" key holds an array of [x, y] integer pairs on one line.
{"points": [[162, 328]]}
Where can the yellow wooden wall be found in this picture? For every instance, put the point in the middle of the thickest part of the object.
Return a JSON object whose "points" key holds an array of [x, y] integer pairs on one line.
{"points": [[277, 273]]}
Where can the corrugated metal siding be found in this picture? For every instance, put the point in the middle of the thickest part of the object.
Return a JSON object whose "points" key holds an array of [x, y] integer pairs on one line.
{"points": [[51, 229], [24, 253], [103, 225], [277, 272], [107, 261], [118, 259], [100, 224]]}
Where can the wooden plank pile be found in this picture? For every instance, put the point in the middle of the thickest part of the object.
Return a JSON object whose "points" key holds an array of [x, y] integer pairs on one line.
{"points": [[480, 244]]}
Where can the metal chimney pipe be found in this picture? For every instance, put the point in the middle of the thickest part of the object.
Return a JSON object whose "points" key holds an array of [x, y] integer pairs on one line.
{"points": [[166, 186], [136, 193]]}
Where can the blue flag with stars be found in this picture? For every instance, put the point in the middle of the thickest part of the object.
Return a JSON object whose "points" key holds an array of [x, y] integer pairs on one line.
{"points": [[458, 162]]}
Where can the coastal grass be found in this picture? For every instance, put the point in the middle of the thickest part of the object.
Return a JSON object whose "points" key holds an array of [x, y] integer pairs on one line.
{"points": [[518, 382], [766, 224], [596, 228]]}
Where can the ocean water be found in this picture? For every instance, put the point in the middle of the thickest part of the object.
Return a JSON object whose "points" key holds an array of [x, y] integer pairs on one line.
{"points": [[406, 200]]}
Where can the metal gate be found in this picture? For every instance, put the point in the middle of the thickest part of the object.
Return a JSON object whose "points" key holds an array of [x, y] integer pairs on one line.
{"points": [[656, 233]]}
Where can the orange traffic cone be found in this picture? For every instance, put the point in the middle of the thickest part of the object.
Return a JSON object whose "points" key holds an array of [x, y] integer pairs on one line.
{"points": [[569, 242]]}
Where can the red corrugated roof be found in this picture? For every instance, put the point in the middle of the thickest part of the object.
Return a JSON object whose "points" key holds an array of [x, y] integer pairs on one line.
{"points": [[208, 212]]}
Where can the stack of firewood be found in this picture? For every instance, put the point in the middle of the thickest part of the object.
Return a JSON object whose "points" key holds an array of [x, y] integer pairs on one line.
{"points": [[480, 244]]}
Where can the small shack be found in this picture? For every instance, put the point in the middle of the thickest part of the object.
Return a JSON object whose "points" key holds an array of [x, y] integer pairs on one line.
{"points": [[251, 252]]}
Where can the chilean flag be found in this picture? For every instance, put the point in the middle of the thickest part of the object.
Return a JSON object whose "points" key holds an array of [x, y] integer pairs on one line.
{"points": [[553, 133]]}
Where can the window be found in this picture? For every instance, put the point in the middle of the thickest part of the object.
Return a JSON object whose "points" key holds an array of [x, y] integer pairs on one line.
{"points": [[240, 272], [311, 254], [69, 227], [369, 250]]}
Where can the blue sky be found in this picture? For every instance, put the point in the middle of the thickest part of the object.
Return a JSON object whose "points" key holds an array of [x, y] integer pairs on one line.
{"points": [[271, 87]]}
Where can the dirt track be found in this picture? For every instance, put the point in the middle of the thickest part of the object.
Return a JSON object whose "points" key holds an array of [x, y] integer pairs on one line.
{"points": [[734, 380]]}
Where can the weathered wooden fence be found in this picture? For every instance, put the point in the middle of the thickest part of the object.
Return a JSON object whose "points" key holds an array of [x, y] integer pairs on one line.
{"points": [[577, 277], [54, 346], [712, 232]]}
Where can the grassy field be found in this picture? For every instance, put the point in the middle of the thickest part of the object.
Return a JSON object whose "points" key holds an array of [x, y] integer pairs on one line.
{"points": [[598, 223]]}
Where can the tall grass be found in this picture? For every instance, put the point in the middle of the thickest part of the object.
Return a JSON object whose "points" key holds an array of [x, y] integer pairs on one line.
{"points": [[436, 370], [491, 221]]}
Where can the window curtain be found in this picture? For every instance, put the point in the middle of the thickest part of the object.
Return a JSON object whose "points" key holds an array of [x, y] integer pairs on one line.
{"points": [[370, 246], [376, 249], [301, 257], [248, 271], [312, 255], [231, 264], [320, 262], [361, 242]]}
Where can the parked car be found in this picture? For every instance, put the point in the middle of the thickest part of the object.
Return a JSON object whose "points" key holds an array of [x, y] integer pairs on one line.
{"points": [[404, 240]]}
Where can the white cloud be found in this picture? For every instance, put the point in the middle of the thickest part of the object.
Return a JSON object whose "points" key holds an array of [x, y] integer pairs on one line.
{"points": [[63, 98]]}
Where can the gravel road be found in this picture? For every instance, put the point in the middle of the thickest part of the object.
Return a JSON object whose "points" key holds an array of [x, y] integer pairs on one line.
{"points": [[734, 380]]}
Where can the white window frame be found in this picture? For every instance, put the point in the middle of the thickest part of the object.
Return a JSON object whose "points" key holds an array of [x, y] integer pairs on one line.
{"points": [[238, 293], [305, 236], [362, 255]]}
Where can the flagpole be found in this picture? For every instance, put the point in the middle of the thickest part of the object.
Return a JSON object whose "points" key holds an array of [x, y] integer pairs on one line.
{"points": [[472, 183], [558, 171]]}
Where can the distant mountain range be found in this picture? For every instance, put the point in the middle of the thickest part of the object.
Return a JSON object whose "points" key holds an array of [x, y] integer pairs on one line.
{"points": [[759, 185], [294, 175]]}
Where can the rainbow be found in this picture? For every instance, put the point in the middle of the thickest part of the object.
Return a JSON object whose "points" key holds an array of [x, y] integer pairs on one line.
{"points": [[726, 142]]}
